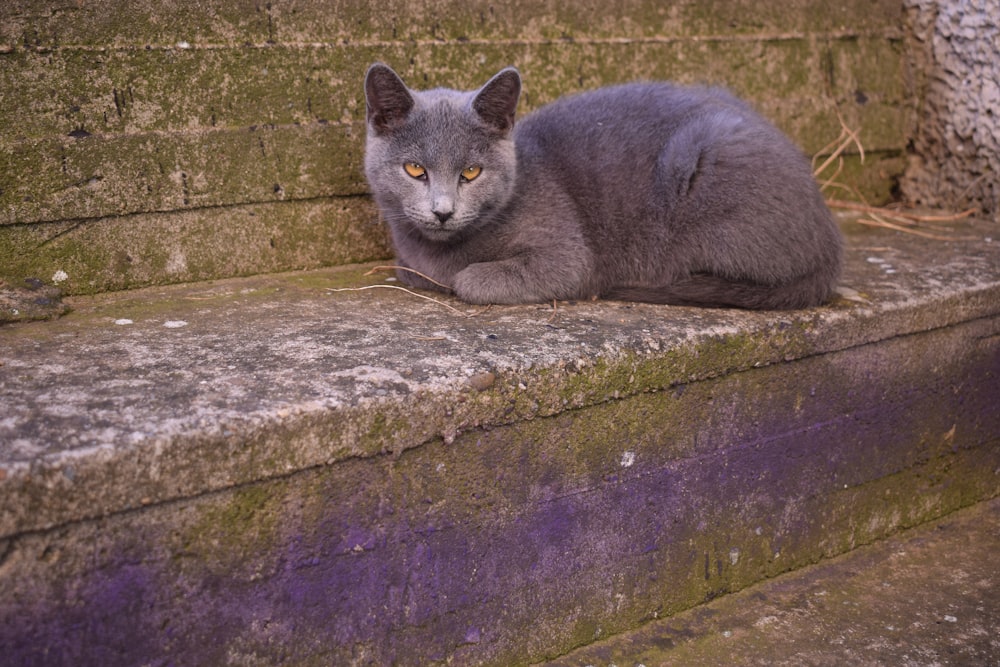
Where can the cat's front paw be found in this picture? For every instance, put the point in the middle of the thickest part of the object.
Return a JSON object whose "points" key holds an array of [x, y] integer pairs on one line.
{"points": [[495, 282]]}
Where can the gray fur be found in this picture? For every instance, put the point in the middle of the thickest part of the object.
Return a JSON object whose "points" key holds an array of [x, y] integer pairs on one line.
{"points": [[643, 191]]}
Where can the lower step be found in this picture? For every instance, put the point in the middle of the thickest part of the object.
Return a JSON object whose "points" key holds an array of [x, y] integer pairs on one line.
{"points": [[927, 596]]}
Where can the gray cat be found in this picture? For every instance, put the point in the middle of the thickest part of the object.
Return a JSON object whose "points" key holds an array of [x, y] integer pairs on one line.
{"points": [[643, 191]]}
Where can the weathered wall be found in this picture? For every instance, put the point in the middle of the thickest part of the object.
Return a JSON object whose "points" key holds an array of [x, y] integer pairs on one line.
{"points": [[147, 142], [955, 160]]}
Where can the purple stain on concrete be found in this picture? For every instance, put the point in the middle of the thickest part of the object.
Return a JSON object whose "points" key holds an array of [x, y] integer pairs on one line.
{"points": [[104, 621], [501, 568]]}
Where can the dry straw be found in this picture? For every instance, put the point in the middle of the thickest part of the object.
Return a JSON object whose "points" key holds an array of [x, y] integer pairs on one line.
{"points": [[878, 216]]}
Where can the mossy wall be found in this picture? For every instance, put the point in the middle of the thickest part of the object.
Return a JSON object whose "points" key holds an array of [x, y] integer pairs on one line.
{"points": [[146, 143]]}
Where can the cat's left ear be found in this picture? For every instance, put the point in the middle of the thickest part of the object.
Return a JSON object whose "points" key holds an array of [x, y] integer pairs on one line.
{"points": [[496, 102]]}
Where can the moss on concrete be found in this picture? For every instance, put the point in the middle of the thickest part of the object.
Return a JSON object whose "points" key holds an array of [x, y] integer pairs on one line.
{"points": [[346, 537], [236, 22], [237, 529], [61, 179], [109, 254], [307, 111]]}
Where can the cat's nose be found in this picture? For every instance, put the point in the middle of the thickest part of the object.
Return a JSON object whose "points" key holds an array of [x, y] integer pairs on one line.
{"points": [[442, 206]]}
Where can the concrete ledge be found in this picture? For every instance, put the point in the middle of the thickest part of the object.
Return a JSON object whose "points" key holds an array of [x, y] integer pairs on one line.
{"points": [[261, 469]]}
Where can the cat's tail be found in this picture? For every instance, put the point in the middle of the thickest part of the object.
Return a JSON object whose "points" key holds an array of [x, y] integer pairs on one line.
{"points": [[711, 291]]}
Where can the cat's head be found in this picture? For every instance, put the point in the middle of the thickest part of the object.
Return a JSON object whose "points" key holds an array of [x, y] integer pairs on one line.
{"points": [[440, 161]]}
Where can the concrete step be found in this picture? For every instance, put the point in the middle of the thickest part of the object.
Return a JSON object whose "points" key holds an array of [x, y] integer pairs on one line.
{"points": [[264, 471], [926, 596]]}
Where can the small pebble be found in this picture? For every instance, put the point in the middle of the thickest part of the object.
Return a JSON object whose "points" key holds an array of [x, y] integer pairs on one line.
{"points": [[482, 381]]}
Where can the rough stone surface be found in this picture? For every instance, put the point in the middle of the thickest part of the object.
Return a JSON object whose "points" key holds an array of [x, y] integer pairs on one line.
{"points": [[925, 597], [34, 300], [956, 148], [239, 366], [261, 470]]}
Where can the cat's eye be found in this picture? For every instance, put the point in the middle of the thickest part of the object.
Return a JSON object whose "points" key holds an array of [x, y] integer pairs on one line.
{"points": [[471, 173], [415, 170]]}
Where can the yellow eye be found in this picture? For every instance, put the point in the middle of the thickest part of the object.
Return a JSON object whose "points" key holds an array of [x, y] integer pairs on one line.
{"points": [[415, 170], [471, 173]]}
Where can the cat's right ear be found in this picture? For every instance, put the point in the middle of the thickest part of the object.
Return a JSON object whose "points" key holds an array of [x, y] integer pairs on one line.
{"points": [[387, 97], [496, 102]]}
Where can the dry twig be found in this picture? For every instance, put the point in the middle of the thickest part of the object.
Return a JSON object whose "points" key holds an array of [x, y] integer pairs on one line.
{"points": [[910, 230], [406, 268], [555, 311], [402, 289], [894, 213], [839, 145], [878, 216]]}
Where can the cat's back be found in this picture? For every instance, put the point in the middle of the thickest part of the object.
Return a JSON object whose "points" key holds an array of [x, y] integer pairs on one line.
{"points": [[625, 116], [605, 144], [605, 148], [614, 142]]}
